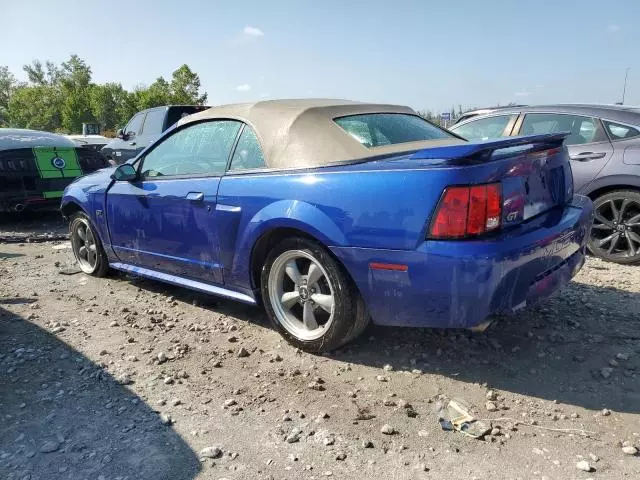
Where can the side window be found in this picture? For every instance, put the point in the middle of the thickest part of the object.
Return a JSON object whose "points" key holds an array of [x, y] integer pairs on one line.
{"points": [[620, 132], [483, 128], [200, 149], [248, 153], [153, 122], [581, 129], [134, 124]]}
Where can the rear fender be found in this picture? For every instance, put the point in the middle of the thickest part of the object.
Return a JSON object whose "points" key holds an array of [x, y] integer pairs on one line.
{"points": [[282, 214]]}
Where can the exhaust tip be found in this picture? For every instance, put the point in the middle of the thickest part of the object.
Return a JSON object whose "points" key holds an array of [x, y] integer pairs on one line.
{"points": [[19, 207], [481, 327]]}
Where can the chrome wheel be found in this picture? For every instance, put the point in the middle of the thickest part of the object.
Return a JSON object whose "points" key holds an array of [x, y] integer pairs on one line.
{"points": [[301, 294], [84, 245], [615, 234]]}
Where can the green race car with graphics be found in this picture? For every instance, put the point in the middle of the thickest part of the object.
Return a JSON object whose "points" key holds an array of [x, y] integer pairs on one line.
{"points": [[35, 168]]}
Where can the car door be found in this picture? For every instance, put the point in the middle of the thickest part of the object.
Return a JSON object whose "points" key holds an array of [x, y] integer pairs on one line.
{"points": [[124, 148], [588, 145], [166, 219], [485, 128], [151, 128]]}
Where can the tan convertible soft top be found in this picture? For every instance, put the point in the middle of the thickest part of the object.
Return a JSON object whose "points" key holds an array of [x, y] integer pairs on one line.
{"points": [[302, 133]]}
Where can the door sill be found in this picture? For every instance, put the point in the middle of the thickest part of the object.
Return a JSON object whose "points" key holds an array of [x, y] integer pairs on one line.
{"points": [[183, 282]]}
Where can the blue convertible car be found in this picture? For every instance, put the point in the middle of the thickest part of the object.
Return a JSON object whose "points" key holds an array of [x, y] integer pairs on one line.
{"points": [[332, 213]]}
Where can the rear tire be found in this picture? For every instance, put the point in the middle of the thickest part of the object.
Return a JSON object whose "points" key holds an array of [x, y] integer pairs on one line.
{"points": [[87, 247], [615, 234], [309, 298]]}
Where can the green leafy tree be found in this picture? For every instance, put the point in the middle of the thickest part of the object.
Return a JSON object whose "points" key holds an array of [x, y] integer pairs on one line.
{"points": [[40, 75], [8, 85], [106, 103], [157, 94], [185, 87], [36, 107], [75, 83], [61, 97]]}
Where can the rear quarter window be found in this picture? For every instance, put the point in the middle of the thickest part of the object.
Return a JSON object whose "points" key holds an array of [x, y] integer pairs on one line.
{"points": [[379, 129], [618, 131]]}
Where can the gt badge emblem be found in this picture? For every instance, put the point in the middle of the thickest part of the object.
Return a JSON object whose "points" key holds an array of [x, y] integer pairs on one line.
{"points": [[58, 163]]}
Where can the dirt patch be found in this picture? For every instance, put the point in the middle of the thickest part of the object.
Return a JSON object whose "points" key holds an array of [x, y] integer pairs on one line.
{"points": [[129, 378]]}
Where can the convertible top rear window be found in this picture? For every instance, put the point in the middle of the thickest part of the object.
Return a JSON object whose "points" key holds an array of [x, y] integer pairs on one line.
{"points": [[379, 129]]}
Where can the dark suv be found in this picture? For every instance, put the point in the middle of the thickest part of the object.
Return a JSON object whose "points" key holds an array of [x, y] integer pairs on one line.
{"points": [[144, 128], [604, 146]]}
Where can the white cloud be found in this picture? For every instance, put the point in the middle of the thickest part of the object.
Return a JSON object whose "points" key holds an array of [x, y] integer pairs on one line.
{"points": [[264, 95], [252, 31], [613, 28], [245, 87], [522, 93]]}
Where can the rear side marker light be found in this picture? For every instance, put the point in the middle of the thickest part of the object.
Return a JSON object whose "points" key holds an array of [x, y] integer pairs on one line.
{"points": [[467, 211], [395, 267]]}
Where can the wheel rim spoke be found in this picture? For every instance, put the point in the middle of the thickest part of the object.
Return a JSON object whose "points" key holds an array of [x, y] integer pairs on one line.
{"points": [[324, 301], [623, 208], [602, 242], [614, 210], [82, 234], [314, 274], [289, 299], [292, 271], [633, 237], [601, 226], [633, 221], [309, 317], [614, 242], [83, 252], [603, 220]]}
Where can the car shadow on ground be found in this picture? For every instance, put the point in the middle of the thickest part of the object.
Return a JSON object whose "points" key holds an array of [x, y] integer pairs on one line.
{"points": [[562, 349], [219, 305], [64, 417], [572, 348]]}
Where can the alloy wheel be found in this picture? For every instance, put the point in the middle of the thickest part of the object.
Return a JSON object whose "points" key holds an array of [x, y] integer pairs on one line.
{"points": [[301, 294], [84, 246], [615, 233]]}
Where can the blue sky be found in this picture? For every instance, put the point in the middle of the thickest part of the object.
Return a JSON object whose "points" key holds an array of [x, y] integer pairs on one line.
{"points": [[426, 54]]}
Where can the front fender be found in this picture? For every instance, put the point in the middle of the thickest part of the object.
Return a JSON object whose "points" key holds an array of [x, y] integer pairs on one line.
{"points": [[295, 214], [74, 196]]}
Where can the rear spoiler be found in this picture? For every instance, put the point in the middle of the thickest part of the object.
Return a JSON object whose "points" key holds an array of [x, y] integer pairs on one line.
{"points": [[482, 150]]}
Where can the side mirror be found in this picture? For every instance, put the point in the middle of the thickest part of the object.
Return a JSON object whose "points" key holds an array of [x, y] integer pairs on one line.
{"points": [[120, 133], [125, 173]]}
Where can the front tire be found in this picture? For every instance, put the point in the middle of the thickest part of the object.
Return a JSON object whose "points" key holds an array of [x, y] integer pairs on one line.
{"points": [[309, 298], [87, 247], [615, 234]]}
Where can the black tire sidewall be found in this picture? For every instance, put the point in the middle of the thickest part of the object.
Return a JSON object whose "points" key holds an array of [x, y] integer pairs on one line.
{"points": [[617, 194], [344, 299]]}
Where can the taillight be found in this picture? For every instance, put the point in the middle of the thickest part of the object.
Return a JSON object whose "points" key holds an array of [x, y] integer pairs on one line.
{"points": [[467, 211]]}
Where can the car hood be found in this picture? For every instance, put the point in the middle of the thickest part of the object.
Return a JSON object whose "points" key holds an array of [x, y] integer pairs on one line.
{"points": [[99, 177]]}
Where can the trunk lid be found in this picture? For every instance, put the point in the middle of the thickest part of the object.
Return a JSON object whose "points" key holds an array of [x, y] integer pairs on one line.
{"points": [[534, 171]]}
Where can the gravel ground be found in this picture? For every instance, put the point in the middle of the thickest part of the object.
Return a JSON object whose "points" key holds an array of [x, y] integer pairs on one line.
{"points": [[125, 378]]}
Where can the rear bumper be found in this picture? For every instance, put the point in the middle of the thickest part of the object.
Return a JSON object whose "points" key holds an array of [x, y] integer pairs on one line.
{"points": [[458, 284]]}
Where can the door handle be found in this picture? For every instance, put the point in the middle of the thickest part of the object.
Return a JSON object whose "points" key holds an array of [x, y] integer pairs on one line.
{"points": [[195, 196], [586, 156], [132, 143]]}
